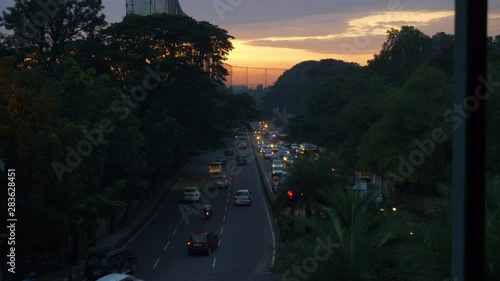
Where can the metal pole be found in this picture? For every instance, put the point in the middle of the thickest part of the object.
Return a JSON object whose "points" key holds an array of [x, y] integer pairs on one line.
{"points": [[468, 228]]}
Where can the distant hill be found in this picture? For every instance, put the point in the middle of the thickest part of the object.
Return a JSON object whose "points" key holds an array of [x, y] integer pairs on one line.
{"points": [[291, 87]]}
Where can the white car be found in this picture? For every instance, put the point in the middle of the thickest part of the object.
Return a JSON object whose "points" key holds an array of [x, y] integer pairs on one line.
{"points": [[243, 197], [192, 194], [268, 153], [277, 164], [119, 277], [276, 172]]}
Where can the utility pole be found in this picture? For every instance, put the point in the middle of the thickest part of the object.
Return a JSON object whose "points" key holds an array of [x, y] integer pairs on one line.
{"points": [[469, 141]]}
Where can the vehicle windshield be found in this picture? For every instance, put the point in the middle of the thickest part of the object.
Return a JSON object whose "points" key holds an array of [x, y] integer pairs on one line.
{"points": [[198, 237], [242, 194]]}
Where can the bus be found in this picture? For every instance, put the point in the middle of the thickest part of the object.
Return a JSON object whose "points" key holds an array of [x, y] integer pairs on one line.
{"points": [[308, 147]]}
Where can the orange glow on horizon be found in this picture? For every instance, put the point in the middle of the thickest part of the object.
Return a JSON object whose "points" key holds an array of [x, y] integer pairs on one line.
{"points": [[283, 58]]}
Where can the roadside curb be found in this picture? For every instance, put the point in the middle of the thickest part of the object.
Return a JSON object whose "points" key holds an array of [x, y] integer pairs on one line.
{"points": [[265, 181]]}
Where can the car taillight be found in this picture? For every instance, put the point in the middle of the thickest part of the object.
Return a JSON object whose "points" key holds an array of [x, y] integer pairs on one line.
{"points": [[189, 243]]}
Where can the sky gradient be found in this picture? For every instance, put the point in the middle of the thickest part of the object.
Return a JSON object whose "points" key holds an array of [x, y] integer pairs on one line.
{"points": [[282, 33]]}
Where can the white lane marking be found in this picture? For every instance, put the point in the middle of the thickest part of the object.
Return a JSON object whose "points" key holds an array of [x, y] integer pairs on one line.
{"points": [[182, 219], [163, 203], [224, 219], [213, 264], [175, 230], [168, 243], [268, 217], [221, 229], [227, 201], [218, 244], [228, 193], [226, 209], [156, 263]]}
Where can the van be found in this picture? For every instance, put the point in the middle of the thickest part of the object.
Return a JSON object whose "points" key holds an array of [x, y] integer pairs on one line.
{"points": [[109, 260]]}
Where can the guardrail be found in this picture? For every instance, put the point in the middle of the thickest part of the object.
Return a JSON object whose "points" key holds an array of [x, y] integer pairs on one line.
{"points": [[266, 184]]}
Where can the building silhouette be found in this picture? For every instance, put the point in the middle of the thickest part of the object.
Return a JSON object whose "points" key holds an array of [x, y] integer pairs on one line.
{"points": [[148, 7]]}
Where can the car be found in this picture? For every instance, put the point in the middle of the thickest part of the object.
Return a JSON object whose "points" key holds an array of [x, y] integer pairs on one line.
{"points": [[277, 164], [215, 168], [275, 157], [228, 152], [242, 146], [221, 181], [192, 194], [284, 153], [202, 242], [119, 277], [104, 261], [221, 159], [243, 197], [241, 160], [276, 172], [268, 154]]}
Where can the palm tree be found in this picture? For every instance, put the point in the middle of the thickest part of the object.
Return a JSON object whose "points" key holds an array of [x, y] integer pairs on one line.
{"points": [[371, 245]]}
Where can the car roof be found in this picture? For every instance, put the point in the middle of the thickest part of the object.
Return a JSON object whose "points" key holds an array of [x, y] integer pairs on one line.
{"points": [[113, 277], [190, 187], [201, 232], [243, 190], [215, 163]]}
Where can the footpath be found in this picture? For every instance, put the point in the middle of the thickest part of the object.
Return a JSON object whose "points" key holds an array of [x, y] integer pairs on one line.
{"points": [[137, 217]]}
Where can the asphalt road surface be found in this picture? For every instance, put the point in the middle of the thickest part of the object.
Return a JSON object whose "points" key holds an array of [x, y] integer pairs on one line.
{"points": [[246, 248]]}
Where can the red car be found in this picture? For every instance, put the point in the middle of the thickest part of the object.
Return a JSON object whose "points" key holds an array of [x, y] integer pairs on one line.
{"points": [[203, 242]]}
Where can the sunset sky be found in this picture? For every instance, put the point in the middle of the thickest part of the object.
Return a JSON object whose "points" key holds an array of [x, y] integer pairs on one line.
{"points": [[282, 33]]}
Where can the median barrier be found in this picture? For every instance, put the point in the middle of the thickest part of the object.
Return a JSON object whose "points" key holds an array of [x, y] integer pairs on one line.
{"points": [[265, 181]]}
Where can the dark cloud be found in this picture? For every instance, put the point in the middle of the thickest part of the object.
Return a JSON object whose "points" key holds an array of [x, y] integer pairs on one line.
{"points": [[344, 46]]}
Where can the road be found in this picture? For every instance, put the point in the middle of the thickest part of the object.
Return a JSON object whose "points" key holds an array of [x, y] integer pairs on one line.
{"points": [[246, 235]]}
